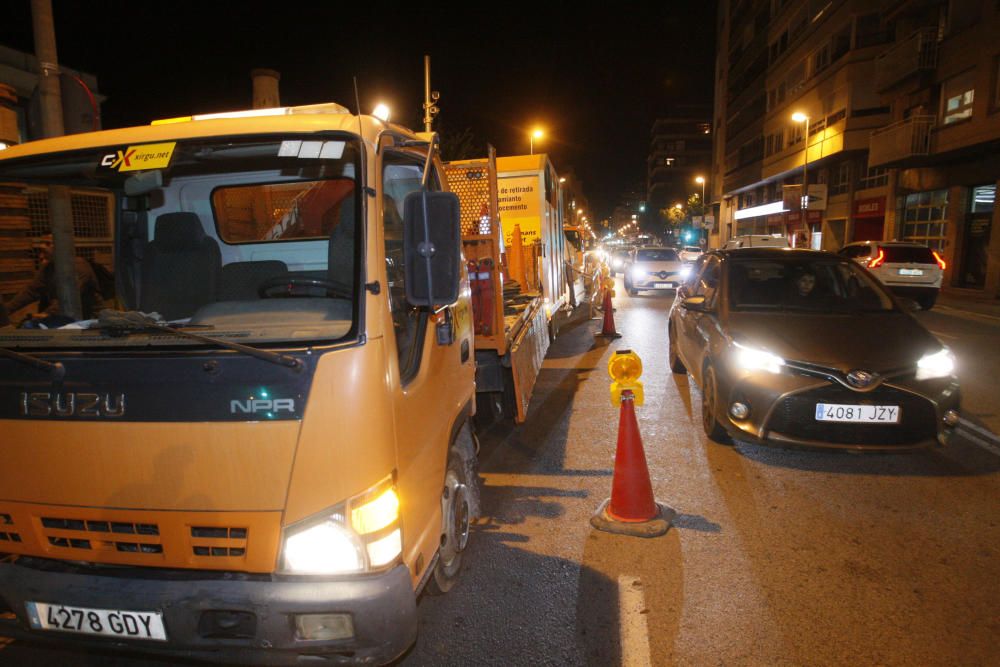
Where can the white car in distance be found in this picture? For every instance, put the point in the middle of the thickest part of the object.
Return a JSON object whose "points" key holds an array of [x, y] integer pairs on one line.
{"points": [[690, 253], [655, 269]]}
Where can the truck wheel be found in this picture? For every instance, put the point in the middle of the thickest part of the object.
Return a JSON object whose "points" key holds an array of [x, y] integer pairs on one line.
{"points": [[460, 507]]}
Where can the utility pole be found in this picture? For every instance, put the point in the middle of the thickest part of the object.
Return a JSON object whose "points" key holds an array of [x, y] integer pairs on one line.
{"points": [[430, 97], [60, 212]]}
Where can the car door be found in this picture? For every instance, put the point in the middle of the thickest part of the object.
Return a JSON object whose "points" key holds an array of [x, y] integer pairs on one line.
{"points": [[692, 334]]}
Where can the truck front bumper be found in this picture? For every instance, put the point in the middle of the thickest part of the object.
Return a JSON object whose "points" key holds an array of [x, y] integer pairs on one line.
{"points": [[231, 618]]}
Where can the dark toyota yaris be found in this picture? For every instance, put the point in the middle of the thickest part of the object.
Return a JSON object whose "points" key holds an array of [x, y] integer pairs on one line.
{"points": [[803, 348]]}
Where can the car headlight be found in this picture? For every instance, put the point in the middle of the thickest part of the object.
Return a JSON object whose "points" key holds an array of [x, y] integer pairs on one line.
{"points": [[638, 274], [753, 359], [936, 365], [616, 263], [358, 535], [685, 271]]}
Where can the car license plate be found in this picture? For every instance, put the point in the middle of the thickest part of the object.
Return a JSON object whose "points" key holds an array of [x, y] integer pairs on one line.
{"points": [[870, 414], [664, 285], [911, 272], [104, 622]]}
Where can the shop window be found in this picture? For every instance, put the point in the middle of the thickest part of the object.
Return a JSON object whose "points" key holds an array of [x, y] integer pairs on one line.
{"points": [[924, 217], [983, 197], [959, 94]]}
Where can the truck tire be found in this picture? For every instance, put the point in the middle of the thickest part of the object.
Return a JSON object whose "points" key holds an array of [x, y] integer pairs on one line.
{"points": [[460, 507]]}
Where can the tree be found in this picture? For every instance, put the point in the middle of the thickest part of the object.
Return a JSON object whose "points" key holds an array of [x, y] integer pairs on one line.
{"points": [[461, 145]]}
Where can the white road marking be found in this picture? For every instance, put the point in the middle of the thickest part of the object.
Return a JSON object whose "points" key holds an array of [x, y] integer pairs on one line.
{"points": [[632, 619], [988, 434], [968, 313], [944, 335]]}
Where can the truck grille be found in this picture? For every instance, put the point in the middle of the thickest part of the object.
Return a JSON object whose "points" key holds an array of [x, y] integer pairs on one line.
{"points": [[170, 539], [795, 417], [218, 541]]}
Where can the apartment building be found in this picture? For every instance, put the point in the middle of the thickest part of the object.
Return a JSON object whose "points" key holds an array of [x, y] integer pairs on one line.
{"points": [[941, 80], [680, 150], [888, 108]]}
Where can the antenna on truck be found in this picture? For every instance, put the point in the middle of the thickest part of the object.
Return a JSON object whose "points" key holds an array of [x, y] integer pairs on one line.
{"points": [[357, 106]]}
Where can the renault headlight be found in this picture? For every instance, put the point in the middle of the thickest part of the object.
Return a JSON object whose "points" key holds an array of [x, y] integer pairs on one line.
{"points": [[358, 535], [754, 359], [937, 365], [638, 274], [685, 272]]}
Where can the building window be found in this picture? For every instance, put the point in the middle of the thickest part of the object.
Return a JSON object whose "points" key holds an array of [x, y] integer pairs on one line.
{"points": [[983, 198], [876, 177], [841, 179], [924, 216], [959, 93]]}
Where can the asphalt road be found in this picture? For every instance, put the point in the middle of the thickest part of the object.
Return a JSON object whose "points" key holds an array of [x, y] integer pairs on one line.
{"points": [[776, 557]]}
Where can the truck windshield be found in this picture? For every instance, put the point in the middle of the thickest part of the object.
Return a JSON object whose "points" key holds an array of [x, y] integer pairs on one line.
{"points": [[255, 239]]}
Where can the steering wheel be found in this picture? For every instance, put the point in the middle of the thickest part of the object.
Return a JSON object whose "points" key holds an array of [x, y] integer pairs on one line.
{"points": [[267, 288]]}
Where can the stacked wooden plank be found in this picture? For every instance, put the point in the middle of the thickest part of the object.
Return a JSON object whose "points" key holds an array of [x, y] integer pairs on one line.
{"points": [[17, 263]]}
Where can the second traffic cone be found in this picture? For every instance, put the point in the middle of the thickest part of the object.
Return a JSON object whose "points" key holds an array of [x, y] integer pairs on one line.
{"points": [[632, 509], [608, 326]]}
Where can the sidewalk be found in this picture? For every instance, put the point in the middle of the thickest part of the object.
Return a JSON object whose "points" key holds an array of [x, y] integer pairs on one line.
{"points": [[972, 301]]}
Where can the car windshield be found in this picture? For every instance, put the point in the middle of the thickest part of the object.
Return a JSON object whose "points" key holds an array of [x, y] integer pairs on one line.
{"points": [[253, 239], [803, 284], [656, 255]]}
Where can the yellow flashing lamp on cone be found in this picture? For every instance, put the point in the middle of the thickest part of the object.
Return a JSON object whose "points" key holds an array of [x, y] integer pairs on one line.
{"points": [[625, 368]]}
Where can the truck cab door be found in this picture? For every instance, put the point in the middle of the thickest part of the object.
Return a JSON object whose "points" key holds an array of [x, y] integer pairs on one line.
{"points": [[427, 383]]}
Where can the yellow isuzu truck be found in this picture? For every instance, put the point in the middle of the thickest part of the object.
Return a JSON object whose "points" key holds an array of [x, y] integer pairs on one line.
{"points": [[264, 453]]}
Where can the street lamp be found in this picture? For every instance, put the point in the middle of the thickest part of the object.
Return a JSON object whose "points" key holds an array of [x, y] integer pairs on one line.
{"points": [[535, 134], [800, 117]]}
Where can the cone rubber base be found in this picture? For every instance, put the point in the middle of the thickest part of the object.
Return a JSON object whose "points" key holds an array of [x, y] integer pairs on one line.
{"points": [[655, 527], [616, 334]]}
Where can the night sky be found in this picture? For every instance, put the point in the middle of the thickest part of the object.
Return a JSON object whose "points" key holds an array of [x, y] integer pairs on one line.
{"points": [[595, 79]]}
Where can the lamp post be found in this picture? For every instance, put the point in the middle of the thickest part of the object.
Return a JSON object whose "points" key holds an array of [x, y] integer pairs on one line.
{"points": [[704, 217], [535, 134]]}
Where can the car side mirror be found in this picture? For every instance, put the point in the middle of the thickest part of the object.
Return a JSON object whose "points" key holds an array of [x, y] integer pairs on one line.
{"points": [[695, 303], [432, 248]]}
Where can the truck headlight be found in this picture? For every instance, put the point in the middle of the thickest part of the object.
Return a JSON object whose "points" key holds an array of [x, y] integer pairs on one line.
{"points": [[358, 535], [753, 359], [324, 548], [937, 365]]}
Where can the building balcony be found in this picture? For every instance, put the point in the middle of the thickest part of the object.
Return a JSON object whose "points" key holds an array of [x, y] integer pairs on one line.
{"points": [[917, 53], [901, 141]]}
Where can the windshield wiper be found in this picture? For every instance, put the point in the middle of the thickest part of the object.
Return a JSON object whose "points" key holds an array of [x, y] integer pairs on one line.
{"points": [[55, 369], [120, 323]]}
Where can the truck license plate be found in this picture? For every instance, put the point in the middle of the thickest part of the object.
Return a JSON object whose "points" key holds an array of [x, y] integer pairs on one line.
{"points": [[869, 414], [103, 622], [911, 272]]}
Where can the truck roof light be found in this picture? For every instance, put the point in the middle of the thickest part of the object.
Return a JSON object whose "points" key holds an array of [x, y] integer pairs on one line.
{"points": [[327, 107]]}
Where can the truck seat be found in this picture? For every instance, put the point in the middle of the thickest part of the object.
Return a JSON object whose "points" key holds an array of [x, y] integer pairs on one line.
{"points": [[181, 267]]}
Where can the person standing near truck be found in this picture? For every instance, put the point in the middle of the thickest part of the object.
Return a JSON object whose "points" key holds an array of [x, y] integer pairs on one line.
{"points": [[42, 289]]}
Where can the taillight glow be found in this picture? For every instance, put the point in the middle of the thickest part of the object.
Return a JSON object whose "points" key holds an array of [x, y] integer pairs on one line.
{"points": [[940, 260], [878, 261]]}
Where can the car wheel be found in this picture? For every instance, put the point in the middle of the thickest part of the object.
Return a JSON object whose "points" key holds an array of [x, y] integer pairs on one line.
{"points": [[633, 292], [676, 365], [927, 301], [460, 505], [710, 407]]}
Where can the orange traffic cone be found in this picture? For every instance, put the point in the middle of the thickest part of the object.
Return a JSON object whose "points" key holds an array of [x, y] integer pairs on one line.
{"points": [[608, 326], [631, 510]]}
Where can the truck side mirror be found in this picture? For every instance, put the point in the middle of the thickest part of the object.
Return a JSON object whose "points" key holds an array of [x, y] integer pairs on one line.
{"points": [[432, 248]]}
